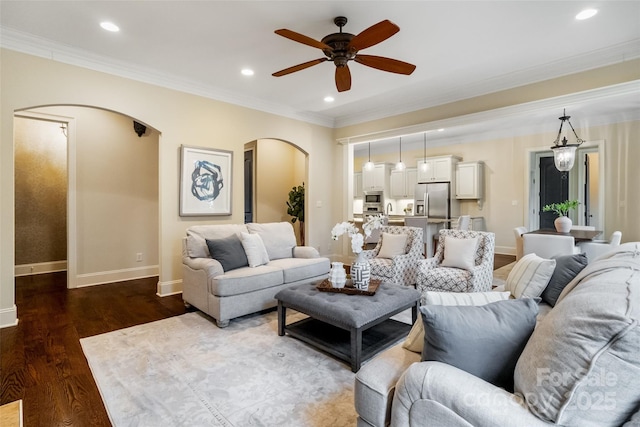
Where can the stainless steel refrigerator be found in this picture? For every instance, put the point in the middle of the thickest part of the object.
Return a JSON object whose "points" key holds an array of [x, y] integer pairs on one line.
{"points": [[433, 200]]}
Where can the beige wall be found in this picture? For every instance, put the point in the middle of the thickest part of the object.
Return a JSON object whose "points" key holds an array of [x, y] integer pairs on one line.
{"points": [[505, 165], [40, 191], [279, 167], [181, 118]]}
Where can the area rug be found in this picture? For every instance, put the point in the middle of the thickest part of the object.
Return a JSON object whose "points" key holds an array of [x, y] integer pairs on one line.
{"points": [[185, 371]]}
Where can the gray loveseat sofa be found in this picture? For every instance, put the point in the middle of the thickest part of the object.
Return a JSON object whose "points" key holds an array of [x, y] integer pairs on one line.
{"points": [[580, 367], [225, 295]]}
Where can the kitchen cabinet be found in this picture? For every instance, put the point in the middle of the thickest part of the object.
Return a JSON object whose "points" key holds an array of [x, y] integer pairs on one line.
{"points": [[469, 180], [403, 183], [437, 169], [357, 185], [376, 179]]}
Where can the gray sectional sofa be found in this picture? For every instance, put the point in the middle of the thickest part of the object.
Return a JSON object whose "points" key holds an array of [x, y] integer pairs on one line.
{"points": [[579, 367], [225, 295]]}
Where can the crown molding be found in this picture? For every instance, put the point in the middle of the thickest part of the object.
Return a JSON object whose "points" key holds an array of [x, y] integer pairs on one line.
{"points": [[44, 48]]}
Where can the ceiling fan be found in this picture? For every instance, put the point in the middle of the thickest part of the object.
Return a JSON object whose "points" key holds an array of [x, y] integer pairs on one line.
{"points": [[340, 48]]}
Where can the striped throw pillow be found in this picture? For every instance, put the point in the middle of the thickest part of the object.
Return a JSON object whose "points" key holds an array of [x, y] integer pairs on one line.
{"points": [[530, 276]]}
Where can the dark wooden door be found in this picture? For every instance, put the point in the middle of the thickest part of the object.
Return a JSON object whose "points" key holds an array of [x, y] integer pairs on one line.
{"points": [[554, 188], [248, 186]]}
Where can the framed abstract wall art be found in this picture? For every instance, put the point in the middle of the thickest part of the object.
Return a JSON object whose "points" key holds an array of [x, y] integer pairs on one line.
{"points": [[205, 181]]}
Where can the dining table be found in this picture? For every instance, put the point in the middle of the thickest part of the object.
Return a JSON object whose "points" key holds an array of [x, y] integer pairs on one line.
{"points": [[578, 235]]}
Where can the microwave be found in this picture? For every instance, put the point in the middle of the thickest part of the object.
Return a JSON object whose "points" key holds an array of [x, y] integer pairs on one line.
{"points": [[373, 197]]}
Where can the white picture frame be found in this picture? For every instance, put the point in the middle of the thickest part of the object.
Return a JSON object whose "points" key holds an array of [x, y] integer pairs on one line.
{"points": [[205, 181]]}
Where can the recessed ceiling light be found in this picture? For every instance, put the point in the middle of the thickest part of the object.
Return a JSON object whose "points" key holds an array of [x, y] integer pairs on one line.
{"points": [[110, 26], [586, 14], [329, 99], [441, 130], [247, 72]]}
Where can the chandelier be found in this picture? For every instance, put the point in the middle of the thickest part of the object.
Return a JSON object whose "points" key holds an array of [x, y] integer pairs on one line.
{"points": [[564, 154]]}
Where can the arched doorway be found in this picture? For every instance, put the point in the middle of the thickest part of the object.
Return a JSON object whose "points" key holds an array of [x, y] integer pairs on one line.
{"points": [[112, 188], [274, 168]]}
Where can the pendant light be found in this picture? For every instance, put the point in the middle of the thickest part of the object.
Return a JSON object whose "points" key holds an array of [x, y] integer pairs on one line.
{"points": [[368, 165], [564, 154], [423, 166], [400, 166]]}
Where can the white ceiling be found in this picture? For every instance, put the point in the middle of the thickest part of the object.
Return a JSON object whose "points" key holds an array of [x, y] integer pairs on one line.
{"points": [[461, 49]]}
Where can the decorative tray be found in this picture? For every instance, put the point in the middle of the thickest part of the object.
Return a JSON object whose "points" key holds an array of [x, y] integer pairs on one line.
{"points": [[325, 286]]}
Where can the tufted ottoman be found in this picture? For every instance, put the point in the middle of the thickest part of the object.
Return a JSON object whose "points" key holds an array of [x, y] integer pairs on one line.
{"points": [[350, 327]]}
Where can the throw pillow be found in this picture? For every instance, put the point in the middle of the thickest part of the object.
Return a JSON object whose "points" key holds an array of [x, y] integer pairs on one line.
{"points": [[581, 366], [567, 267], [460, 253], [255, 250], [278, 238], [530, 276], [415, 339], [392, 245], [485, 341], [228, 252]]}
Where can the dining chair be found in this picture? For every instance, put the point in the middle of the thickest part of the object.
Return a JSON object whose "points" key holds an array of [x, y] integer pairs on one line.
{"points": [[548, 245], [518, 232], [464, 221], [595, 248]]}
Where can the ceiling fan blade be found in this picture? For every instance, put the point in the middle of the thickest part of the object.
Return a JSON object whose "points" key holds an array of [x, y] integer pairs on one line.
{"points": [[385, 64], [374, 34], [301, 38], [299, 67], [343, 78]]}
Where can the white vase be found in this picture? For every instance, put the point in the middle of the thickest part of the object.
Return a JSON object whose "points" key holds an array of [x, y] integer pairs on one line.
{"points": [[563, 224], [337, 275], [360, 272]]}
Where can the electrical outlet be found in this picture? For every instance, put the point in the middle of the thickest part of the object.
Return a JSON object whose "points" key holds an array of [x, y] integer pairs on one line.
{"points": [[139, 257]]}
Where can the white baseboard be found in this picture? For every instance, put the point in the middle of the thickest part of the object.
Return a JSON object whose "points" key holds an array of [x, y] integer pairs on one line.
{"points": [[40, 268], [9, 317], [169, 288], [505, 250], [103, 277]]}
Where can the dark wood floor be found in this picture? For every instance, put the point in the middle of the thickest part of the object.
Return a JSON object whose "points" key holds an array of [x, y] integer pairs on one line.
{"points": [[41, 361]]}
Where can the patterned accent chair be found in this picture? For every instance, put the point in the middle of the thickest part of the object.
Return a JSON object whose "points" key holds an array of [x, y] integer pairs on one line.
{"points": [[401, 270], [434, 277]]}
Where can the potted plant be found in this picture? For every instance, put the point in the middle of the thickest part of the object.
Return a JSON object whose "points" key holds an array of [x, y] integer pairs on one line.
{"points": [[295, 208], [563, 222]]}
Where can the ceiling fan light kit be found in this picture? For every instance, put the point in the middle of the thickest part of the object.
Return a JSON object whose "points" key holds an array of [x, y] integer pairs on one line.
{"points": [[340, 48]]}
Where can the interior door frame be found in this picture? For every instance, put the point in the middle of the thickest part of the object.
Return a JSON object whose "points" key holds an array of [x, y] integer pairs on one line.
{"points": [[576, 181], [72, 234]]}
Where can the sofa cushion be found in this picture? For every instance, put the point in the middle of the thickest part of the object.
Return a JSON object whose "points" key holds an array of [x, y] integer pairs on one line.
{"points": [[196, 244], [255, 250], [582, 363], [567, 267], [459, 253], [485, 341], [228, 252], [415, 339], [295, 269], [246, 279], [530, 276], [278, 237], [392, 245]]}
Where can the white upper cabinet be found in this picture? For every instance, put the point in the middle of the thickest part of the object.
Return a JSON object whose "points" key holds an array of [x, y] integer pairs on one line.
{"points": [[437, 169], [403, 183], [376, 179], [469, 180], [357, 185]]}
